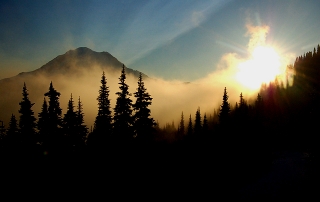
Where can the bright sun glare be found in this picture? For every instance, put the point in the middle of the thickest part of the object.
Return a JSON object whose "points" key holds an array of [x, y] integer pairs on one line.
{"points": [[262, 67]]}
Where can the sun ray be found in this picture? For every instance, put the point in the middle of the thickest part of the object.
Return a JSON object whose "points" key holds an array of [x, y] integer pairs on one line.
{"points": [[262, 67]]}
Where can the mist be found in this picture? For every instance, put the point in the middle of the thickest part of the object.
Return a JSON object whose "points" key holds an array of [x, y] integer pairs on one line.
{"points": [[170, 98]]}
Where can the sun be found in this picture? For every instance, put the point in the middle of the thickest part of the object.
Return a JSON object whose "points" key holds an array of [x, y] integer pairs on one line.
{"points": [[262, 67]]}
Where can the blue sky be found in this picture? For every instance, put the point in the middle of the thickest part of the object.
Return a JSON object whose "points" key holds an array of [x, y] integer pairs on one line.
{"points": [[174, 40]]}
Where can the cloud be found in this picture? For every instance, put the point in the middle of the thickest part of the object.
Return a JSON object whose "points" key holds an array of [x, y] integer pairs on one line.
{"points": [[170, 98], [173, 97], [258, 35]]}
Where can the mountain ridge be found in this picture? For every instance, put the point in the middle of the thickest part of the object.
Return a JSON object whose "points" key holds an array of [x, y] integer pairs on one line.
{"points": [[83, 58], [77, 71]]}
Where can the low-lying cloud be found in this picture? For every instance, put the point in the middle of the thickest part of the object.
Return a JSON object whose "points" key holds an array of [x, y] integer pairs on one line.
{"points": [[170, 98]]}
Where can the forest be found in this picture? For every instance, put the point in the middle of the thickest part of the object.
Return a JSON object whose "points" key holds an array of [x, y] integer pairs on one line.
{"points": [[237, 144]]}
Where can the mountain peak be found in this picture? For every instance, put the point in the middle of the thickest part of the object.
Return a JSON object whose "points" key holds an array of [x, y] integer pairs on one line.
{"points": [[75, 60], [80, 51]]}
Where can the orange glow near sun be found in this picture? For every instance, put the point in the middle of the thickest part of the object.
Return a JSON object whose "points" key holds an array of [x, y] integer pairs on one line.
{"points": [[263, 67]]}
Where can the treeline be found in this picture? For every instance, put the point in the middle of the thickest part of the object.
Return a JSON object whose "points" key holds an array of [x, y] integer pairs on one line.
{"points": [[57, 133], [230, 148], [283, 115], [270, 122]]}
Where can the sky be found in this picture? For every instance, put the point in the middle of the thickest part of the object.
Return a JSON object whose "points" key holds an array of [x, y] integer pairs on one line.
{"points": [[173, 40]]}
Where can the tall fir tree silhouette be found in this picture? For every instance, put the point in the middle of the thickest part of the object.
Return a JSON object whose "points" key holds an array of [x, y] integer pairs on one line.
{"points": [[205, 126], [81, 128], [143, 123], [242, 113], [123, 110], [190, 127], [197, 123], [259, 102], [259, 106], [242, 102], [54, 137], [43, 121], [224, 109], [181, 126], [70, 122], [54, 110], [243, 107], [103, 122], [13, 126], [27, 122], [12, 138]]}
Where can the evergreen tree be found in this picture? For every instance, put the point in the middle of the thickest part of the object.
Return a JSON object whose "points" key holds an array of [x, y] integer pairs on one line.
{"points": [[74, 127], [102, 124], [54, 110], [2, 132], [259, 108], [259, 102], [123, 111], [190, 128], [197, 123], [181, 126], [143, 124], [243, 107], [224, 109], [54, 137], [205, 126], [13, 126], [43, 121], [27, 120], [242, 112], [102, 128], [13, 137], [242, 102], [81, 128], [69, 119], [69, 122]]}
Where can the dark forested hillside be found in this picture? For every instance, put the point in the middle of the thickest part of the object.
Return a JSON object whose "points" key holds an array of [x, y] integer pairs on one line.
{"points": [[72, 72], [266, 148]]}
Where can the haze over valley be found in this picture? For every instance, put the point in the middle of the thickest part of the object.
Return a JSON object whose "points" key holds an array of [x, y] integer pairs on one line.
{"points": [[78, 72], [174, 92]]}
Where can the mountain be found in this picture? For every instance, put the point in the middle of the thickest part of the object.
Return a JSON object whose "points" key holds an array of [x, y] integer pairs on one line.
{"points": [[77, 71], [74, 61]]}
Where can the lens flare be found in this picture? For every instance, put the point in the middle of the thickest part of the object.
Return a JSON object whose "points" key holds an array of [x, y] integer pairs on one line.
{"points": [[263, 67]]}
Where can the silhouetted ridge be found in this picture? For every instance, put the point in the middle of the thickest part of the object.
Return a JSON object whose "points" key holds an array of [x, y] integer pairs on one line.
{"points": [[264, 148], [80, 51], [82, 58]]}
